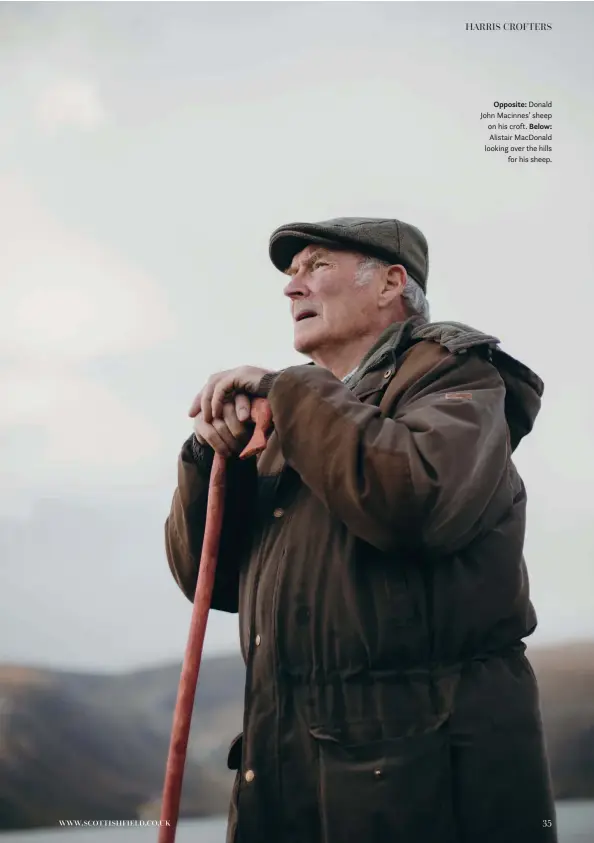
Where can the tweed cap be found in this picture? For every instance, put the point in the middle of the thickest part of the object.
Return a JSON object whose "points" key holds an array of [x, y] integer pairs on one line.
{"points": [[389, 240]]}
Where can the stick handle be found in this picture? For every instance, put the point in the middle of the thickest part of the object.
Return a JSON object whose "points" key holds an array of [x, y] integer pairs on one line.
{"points": [[262, 417]]}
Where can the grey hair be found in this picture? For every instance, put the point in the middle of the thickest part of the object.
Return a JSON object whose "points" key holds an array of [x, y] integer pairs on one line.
{"points": [[414, 298]]}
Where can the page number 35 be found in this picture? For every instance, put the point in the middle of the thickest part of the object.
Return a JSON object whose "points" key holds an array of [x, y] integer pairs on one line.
{"points": [[547, 823]]}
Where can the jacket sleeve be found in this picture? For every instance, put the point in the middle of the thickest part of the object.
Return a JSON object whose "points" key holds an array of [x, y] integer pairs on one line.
{"points": [[184, 526], [432, 475]]}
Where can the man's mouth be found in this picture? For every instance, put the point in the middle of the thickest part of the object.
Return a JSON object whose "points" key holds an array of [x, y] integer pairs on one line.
{"points": [[305, 314]]}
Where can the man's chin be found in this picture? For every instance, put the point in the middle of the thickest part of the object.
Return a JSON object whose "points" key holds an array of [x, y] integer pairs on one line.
{"points": [[305, 343]]}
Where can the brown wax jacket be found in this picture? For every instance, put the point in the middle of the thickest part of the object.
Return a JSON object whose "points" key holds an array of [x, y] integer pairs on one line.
{"points": [[374, 552]]}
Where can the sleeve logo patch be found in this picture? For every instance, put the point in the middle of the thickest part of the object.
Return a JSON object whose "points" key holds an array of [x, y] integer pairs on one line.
{"points": [[467, 396]]}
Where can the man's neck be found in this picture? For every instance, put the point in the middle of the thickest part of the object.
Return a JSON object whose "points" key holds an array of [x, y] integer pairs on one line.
{"points": [[342, 361]]}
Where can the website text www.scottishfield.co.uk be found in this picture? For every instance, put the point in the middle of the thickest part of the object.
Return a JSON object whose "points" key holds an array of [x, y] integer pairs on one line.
{"points": [[102, 823]]}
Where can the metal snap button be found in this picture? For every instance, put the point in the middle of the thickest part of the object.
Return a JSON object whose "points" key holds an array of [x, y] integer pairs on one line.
{"points": [[387, 373], [278, 513], [250, 775], [257, 640]]}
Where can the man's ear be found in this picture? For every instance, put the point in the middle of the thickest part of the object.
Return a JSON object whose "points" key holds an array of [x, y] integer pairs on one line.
{"points": [[393, 284]]}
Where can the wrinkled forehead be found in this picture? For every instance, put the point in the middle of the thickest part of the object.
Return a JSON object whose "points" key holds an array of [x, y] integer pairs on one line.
{"points": [[311, 253]]}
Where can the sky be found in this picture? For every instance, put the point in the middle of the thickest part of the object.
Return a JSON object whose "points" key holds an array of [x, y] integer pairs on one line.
{"points": [[147, 152]]}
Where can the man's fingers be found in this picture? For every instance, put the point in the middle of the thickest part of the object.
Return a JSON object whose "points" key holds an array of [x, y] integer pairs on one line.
{"points": [[207, 433], [218, 444], [222, 389], [195, 406], [226, 435], [236, 428], [206, 403], [202, 402], [243, 407], [224, 386]]}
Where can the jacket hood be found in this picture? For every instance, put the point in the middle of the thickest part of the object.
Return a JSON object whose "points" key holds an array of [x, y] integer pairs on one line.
{"points": [[523, 395], [524, 389]]}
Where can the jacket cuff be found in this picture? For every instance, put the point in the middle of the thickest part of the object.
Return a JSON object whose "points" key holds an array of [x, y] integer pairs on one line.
{"points": [[266, 384], [194, 452]]}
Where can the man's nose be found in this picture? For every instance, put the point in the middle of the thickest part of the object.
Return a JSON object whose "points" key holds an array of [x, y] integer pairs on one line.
{"points": [[295, 288]]}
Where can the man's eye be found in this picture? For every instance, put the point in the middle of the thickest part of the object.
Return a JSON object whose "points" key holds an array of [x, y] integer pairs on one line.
{"points": [[320, 263]]}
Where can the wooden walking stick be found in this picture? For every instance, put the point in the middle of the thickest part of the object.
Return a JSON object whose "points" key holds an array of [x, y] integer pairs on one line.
{"points": [[262, 417]]}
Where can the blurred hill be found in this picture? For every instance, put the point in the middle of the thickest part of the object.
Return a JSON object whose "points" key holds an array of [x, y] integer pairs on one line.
{"points": [[94, 746], [91, 746], [566, 680]]}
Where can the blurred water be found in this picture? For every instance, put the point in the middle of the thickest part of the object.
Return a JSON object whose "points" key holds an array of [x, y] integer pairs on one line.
{"points": [[576, 825]]}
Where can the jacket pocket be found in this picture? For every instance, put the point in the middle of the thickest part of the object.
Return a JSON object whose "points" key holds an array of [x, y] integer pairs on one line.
{"points": [[390, 789], [234, 754]]}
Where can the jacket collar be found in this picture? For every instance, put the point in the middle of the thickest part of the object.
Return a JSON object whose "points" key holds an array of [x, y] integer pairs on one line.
{"points": [[392, 341]]}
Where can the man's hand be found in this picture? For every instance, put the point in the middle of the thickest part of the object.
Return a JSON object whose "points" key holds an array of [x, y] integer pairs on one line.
{"points": [[229, 435], [220, 388]]}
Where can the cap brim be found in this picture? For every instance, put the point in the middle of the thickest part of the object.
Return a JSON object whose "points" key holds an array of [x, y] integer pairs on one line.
{"points": [[286, 244]]}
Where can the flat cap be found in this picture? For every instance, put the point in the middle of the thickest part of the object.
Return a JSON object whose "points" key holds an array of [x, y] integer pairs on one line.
{"points": [[389, 240]]}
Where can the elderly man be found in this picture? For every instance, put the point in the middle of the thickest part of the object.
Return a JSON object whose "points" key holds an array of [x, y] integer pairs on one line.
{"points": [[374, 553]]}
